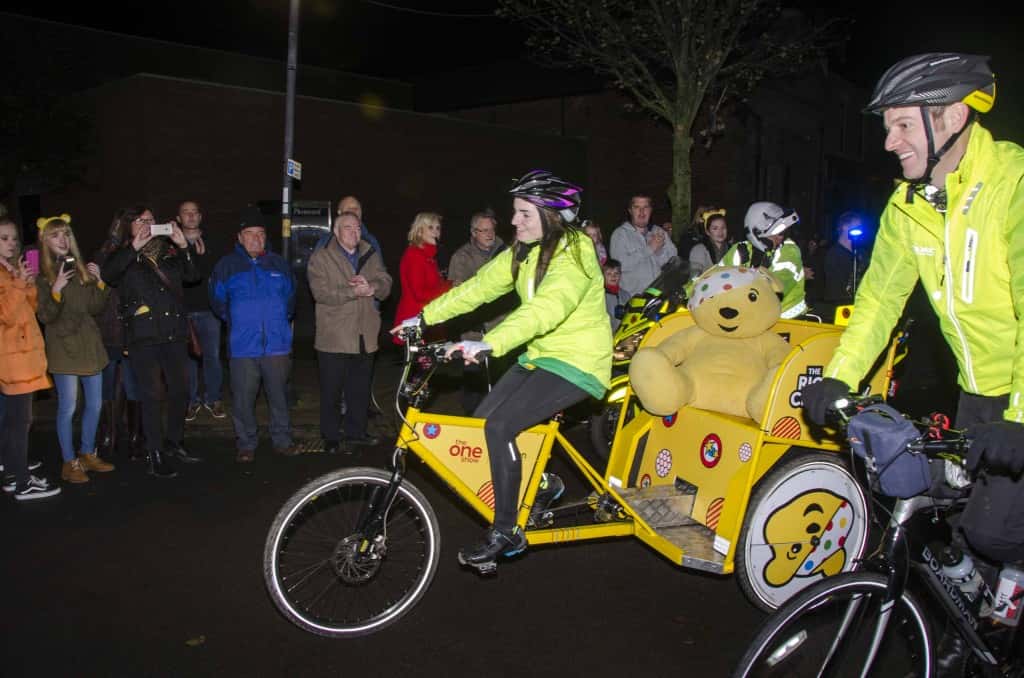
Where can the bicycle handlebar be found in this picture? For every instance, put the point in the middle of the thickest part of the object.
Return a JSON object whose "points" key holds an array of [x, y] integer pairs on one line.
{"points": [[937, 441]]}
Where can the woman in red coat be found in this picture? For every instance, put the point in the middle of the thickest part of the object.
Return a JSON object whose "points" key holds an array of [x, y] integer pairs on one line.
{"points": [[420, 276]]}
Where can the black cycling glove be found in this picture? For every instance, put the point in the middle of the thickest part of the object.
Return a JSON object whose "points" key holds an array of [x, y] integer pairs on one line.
{"points": [[1000, 444], [820, 395]]}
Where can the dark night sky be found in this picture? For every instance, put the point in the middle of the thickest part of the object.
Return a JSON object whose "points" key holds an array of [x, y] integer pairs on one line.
{"points": [[377, 37]]}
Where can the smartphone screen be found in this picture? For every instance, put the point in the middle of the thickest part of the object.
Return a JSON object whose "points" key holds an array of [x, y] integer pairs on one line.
{"points": [[69, 265], [32, 261]]}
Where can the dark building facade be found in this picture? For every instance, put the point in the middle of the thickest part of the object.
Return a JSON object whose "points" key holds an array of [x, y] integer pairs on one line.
{"points": [[173, 122]]}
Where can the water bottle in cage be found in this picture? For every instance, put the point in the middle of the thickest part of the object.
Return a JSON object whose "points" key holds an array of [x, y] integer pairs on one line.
{"points": [[959, 567]]}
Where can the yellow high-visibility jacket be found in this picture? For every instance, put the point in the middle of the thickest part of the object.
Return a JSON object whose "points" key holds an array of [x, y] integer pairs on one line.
{"points": [[563, 321], [970, 260]]}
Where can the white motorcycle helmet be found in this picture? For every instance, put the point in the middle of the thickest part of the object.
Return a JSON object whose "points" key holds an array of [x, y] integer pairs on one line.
{"points": [[767, 218]]}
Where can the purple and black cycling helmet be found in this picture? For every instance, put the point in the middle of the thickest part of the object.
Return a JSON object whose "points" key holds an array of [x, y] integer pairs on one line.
{"points": [[544, 189]]}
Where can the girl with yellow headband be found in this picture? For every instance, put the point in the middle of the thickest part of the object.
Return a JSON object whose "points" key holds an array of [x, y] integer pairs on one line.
{"points": [[71, 294], [714, 240]]}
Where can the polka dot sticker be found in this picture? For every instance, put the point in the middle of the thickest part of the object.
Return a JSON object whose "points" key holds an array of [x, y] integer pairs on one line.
{"points": [[663, 463], [746, 452]]}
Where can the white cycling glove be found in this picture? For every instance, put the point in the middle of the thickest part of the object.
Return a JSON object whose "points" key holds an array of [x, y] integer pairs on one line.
{"points": [[414, 322], [469, 349]]}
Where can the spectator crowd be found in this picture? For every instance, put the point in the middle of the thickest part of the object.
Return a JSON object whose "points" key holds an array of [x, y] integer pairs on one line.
{"points": [[130, 338]]}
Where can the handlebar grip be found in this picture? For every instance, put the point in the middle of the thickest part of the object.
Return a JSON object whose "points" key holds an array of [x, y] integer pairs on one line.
{"points": [[480, 355]]}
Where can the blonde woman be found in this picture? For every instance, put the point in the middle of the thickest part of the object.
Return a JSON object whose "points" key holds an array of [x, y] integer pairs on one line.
{"points": [[418, 271], [71, 295]]}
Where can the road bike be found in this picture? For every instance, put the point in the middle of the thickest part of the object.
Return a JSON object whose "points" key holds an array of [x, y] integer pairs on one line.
{"points": [[885, 617]]}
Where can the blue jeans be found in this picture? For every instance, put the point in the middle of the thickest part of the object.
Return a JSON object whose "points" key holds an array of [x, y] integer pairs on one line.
{"points": [[246, 375], [67, 398], [117, 357], [208, 330]]}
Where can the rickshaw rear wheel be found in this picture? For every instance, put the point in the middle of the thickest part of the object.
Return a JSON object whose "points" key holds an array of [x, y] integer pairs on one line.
{"points": [[807, 518], [602, 429]]}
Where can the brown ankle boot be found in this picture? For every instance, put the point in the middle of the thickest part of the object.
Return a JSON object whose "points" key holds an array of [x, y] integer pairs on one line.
{"points": [[92, 462], [73, 472]]}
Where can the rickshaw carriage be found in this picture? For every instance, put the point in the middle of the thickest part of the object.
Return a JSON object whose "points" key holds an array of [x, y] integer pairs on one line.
{"points": [[773, 499]]}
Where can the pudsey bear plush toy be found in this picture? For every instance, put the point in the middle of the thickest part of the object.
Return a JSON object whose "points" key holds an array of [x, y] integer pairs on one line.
{"points": [[726, 361]]}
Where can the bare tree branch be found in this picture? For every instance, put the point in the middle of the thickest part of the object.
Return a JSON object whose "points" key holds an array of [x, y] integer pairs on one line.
{"points": [[669, 56]]}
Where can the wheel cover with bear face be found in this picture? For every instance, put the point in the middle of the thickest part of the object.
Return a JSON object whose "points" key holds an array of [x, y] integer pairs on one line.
{"points": [[812, 524]]}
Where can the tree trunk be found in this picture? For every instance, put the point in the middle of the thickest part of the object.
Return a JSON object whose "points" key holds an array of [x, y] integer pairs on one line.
{"points": [[679, 191]]}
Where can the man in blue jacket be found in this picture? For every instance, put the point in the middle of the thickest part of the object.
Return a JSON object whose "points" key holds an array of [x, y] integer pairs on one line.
{"points": [[253, 290]]}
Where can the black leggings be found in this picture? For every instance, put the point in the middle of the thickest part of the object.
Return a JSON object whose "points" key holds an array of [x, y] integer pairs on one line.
{"points": [[17, 420], [522, 398]]}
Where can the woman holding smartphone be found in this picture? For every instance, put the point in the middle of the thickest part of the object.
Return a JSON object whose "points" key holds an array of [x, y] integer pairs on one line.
{"points": [[71, 295], [22, 365], [120, 417], [148, 271]]}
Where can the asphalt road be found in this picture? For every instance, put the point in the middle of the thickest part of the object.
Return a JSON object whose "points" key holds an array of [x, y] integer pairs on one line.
{"points": [[130, 575]]}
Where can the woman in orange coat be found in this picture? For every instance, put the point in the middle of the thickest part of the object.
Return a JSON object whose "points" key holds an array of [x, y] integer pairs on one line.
{"points": [[421, 278], [22, 365]]}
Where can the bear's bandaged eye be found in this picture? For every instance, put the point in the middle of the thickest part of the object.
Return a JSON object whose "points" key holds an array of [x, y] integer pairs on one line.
{"points": [[752, 295]]}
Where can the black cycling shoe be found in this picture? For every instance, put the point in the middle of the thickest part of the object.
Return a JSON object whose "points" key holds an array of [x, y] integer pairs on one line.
{"points": [[483, 555], [551, 488]]}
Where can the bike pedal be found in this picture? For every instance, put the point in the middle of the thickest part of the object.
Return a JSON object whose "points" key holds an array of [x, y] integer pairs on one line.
{"points": [[545, 519], [488, 568]]}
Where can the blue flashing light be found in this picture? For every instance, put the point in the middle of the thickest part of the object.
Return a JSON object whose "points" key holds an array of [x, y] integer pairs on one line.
{"points": [[856, 232]]}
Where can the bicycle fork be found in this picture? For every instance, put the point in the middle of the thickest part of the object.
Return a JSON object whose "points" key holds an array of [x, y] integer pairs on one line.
{"points": [[372, 523], [895, 547]]}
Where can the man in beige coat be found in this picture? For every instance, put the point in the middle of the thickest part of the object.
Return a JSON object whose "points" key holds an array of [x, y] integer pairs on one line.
{"points": [[345, 276]]}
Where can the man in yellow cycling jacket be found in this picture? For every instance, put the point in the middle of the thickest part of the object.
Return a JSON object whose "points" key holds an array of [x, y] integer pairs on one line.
{"points": [[956, 223]]}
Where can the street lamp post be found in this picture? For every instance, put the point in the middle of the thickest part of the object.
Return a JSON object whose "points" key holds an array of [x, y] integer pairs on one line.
{"points": [[289, 127]]}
